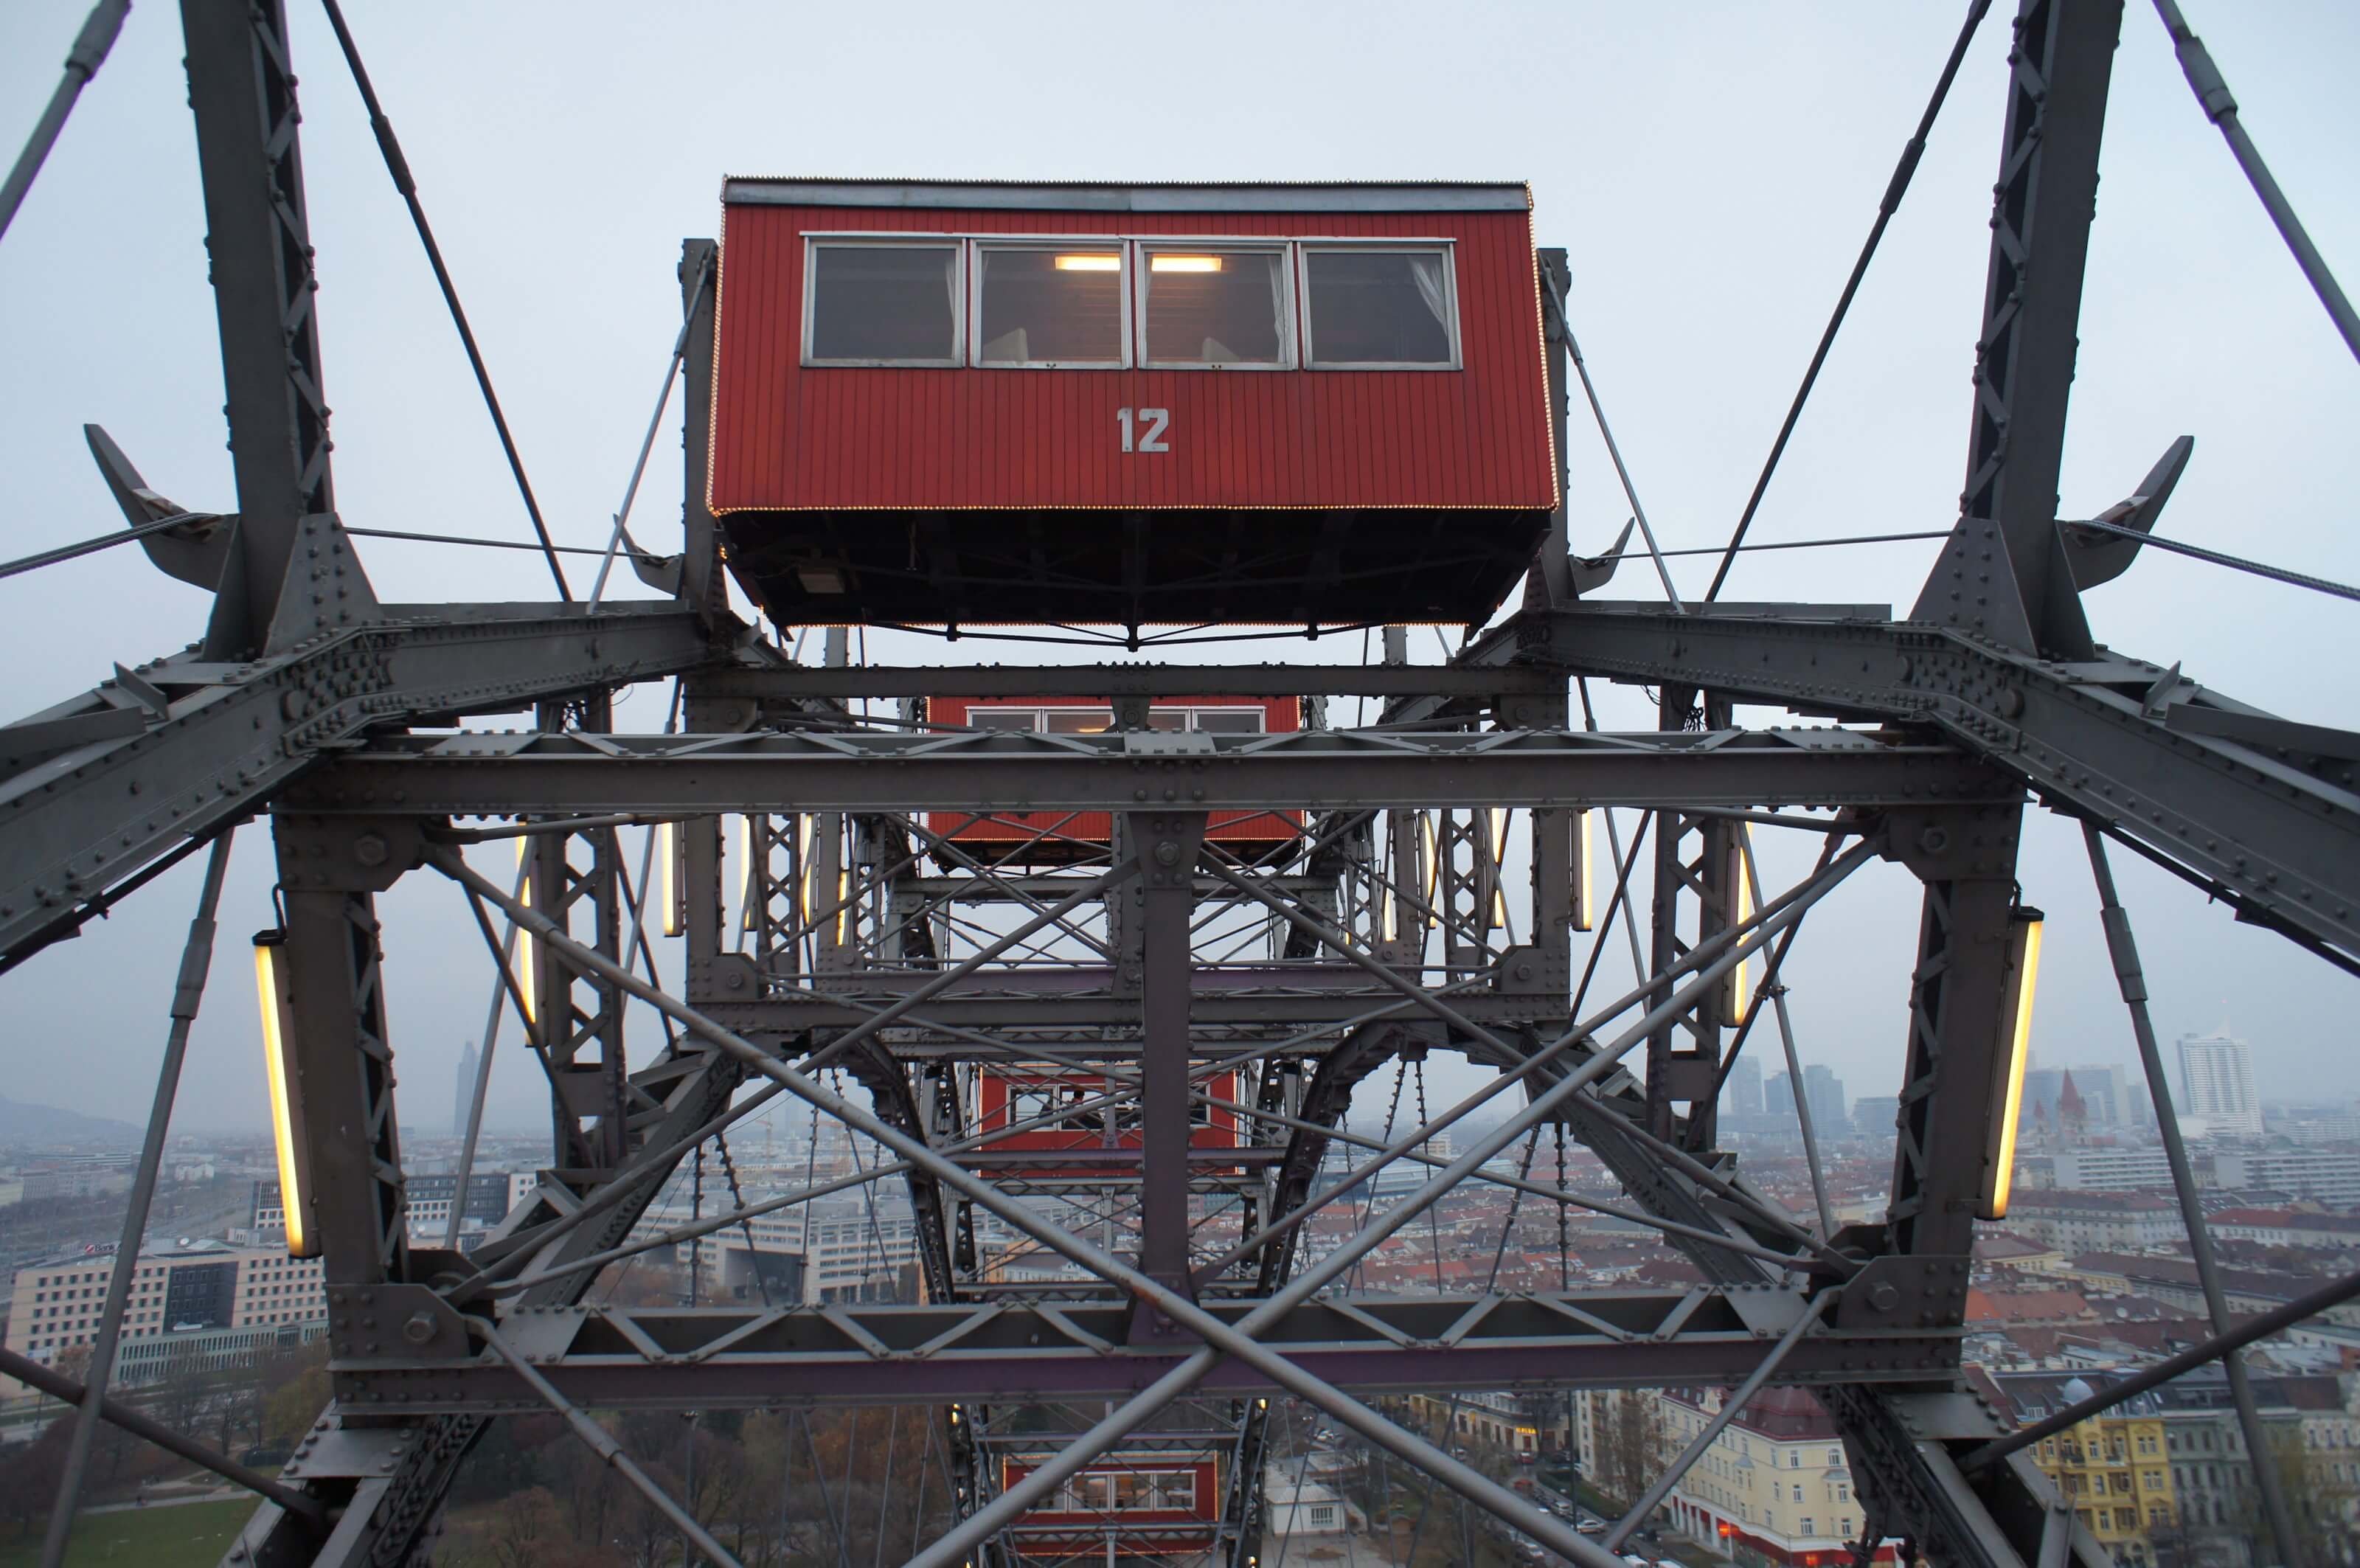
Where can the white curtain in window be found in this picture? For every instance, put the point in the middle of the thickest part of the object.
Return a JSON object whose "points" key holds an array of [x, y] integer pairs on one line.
{"points": [[1426, 271], [950, 280]]}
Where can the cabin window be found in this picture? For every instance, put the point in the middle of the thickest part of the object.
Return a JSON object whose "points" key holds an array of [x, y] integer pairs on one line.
{"points": [[1051, 304], [894, 303], [1207, 720], [1230, 721], [1371, 308], [1023, 718], [1216, 307], [1077, 720]]}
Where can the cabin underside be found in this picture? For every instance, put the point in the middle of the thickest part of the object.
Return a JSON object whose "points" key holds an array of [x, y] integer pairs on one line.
{"points": [[1293, 566]]}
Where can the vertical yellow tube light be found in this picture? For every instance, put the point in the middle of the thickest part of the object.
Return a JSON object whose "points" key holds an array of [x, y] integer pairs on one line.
{"points": [[528, 951], [1740, 910], [1585, 912], [2014, 1049], [804, 841], [744, 872], [1499, 850], [669, 837], [285, 1107]]}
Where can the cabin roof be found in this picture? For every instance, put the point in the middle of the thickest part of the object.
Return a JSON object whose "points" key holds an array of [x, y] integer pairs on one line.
{"points": [[1145, 196]]}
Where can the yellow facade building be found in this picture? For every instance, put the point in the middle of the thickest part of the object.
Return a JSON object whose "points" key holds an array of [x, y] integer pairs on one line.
{"points": [[2113, 1469]]}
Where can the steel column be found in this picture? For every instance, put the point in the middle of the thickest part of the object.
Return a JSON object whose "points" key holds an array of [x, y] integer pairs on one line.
{"points": [[1166, 845], [2004, 575]]}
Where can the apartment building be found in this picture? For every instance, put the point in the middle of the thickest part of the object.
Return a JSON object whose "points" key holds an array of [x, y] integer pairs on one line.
{"points": [[177, 1289], [2107, 1167], [815, 1254], [2113, 1469], [2074, 1220], [2289, 1227], [2315, 1438], [1520, 1423], [2323, 1176], [1773, 1490], [426, 1201]]}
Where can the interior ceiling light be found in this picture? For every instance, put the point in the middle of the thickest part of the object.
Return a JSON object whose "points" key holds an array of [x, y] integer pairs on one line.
{"points": [[1101, 261], [1185, 264]]}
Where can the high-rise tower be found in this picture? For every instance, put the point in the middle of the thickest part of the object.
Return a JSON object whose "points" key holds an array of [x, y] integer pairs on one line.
{"points": [[2216, 1075], [463, 1097]]}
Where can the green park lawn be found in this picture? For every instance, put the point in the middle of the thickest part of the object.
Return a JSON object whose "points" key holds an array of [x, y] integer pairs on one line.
{"points": [[194, 1534]]}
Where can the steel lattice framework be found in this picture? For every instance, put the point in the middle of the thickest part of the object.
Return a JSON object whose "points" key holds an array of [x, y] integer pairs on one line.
{"points": [[848, 932]]}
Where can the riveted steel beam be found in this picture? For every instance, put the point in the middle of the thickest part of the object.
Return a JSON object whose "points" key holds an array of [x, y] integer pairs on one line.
{"points": [[78, 821], [616, 1357], [1116, 680], [1315, 770], [2264, 814]]}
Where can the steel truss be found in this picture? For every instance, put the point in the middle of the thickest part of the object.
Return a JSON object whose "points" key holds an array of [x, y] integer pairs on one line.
{"points": [[835, 921]]}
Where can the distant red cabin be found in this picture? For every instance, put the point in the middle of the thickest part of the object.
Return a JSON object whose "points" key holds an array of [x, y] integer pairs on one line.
{"points": [[1006, 1096], [1052, 837], [989, 403], [1151, 1505]]}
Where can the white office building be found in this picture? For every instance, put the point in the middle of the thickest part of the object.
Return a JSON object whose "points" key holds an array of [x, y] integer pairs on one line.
{"points": [[2216, 1075], [2110, 1169]]}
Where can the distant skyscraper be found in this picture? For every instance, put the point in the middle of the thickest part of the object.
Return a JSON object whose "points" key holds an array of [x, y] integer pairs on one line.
{"points": [[1876, 1116], [1745, 1087], [465, 1100], [1824, 1091], [1778, 1096], [2039, 1102], [2216, 1075], [2106, 1094]]}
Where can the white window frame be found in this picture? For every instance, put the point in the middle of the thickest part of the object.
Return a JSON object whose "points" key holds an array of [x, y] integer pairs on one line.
{"points": [[871, 240], [1297, 350], [1122, 249], [1290, 357], [1190, 711], [1307, 249]]}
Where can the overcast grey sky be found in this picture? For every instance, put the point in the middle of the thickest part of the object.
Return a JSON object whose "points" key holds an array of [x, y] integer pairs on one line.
{"points": [[1710, 168]]}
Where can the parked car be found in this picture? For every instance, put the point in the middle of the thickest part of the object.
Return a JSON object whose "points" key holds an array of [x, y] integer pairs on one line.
{"points": [[1591, 1527]]}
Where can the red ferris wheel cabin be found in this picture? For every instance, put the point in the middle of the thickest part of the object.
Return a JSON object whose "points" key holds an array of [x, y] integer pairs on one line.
{"points": [[1129, 404], [1053, 838], [1052, 1105], [1131, 1503]]}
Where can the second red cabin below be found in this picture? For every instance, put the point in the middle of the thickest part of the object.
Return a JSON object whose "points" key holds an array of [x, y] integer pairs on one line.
{"points": [[1012, 1096], [1051, 838]]}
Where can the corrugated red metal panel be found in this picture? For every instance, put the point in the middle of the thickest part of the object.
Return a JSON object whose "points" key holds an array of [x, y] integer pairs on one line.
{"points": [[786, 437]]}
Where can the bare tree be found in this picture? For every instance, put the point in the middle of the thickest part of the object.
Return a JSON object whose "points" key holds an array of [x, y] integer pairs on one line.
{"points": [[527, 1529], [1629, 1442]]}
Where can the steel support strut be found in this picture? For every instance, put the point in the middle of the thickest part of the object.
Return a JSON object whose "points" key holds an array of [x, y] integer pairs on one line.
{"points": [[2123, 949], [196, 961]]}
